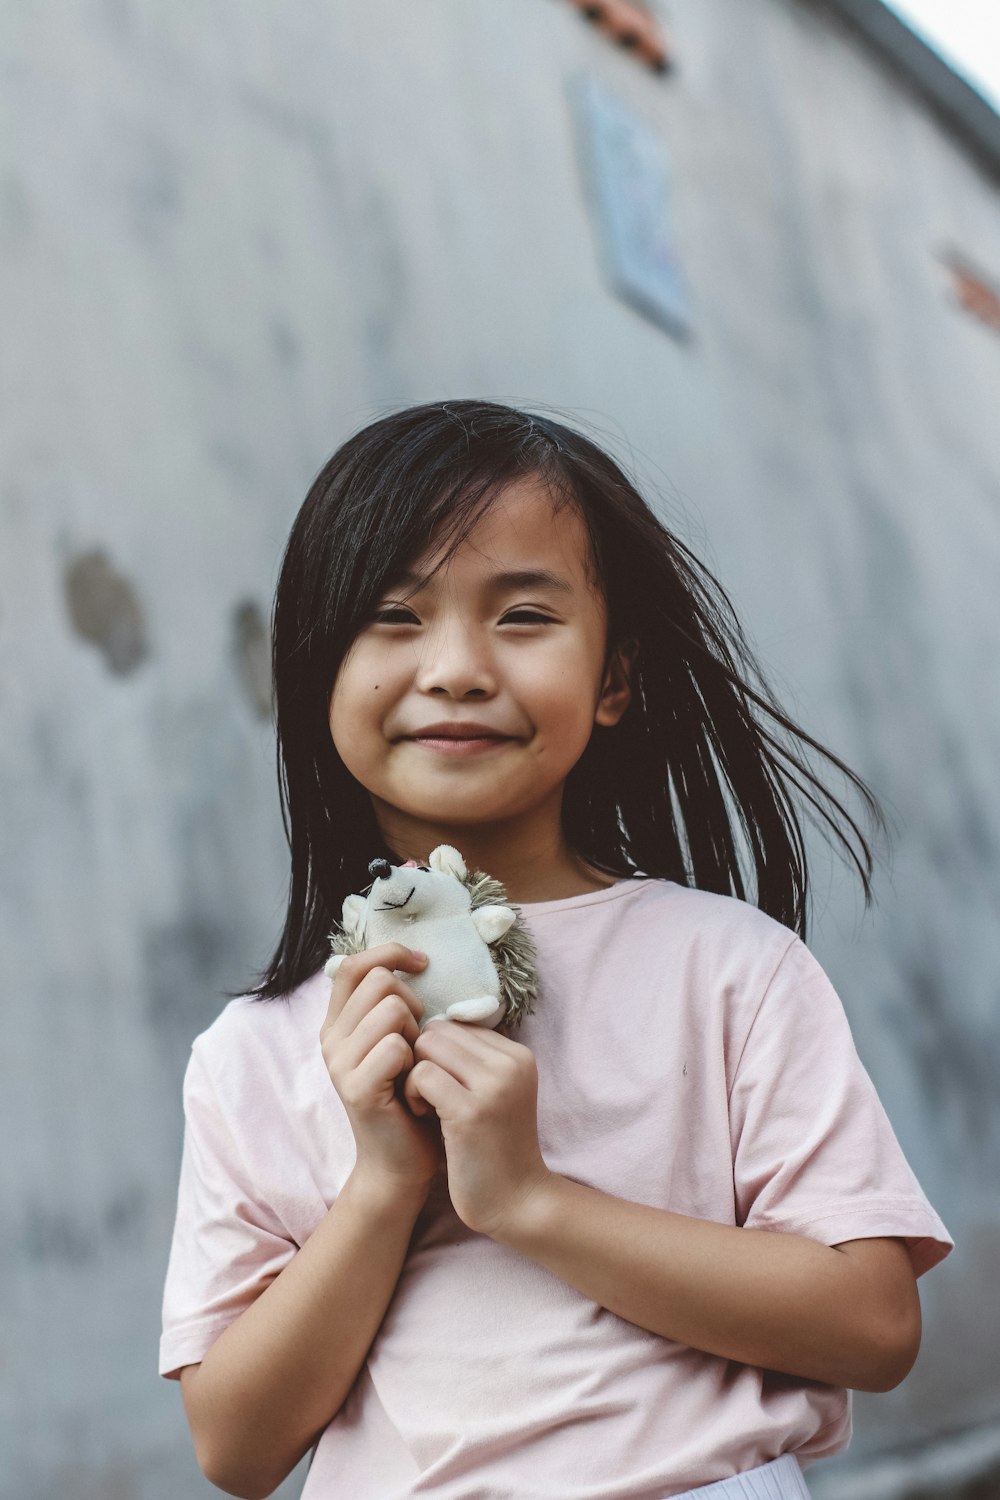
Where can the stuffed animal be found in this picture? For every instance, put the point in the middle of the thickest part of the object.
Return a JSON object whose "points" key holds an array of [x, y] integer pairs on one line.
{"points": [[481, 965]]}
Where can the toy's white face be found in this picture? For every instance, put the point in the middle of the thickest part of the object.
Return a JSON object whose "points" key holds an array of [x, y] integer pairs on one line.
{"points": [[407, 894], [505, 646]]}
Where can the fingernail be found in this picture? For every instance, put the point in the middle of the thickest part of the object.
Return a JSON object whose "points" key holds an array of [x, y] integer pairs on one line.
{"points": [[417, 953]]}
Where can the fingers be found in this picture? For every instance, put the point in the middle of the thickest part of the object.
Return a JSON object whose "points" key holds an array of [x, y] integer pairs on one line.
{"points": [[391, 1015], [428, 1087], [362, 979], [469, 1052], [371, 1021], [387, 1059], [474, 1061]]}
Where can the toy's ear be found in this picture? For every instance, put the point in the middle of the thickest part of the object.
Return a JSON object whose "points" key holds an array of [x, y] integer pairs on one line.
{"points": [[448, 861], [354, 912], [493, 921]]}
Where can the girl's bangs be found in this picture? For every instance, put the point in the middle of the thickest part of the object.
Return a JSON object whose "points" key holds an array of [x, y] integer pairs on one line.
{"points": [[444, 517]]}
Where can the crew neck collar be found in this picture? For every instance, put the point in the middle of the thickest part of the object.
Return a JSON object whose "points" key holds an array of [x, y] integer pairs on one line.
{"points": [[586, 898]]}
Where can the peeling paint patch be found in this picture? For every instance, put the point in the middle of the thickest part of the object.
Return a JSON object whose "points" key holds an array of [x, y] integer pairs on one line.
{"points": [[252, 650], [105, 610]]}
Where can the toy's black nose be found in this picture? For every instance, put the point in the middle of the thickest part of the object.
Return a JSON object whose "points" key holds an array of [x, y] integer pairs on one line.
{"points": [[381, 869]]}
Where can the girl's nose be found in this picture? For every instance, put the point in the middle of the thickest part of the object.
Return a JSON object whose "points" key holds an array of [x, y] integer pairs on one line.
{"points": [[455, 662]]}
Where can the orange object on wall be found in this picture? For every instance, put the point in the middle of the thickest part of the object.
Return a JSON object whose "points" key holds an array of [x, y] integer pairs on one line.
{"points": [[974, 293], [630, 25]]}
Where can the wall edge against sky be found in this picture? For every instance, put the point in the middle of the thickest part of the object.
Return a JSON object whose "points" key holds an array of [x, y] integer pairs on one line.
{"points": [[951, 95]]}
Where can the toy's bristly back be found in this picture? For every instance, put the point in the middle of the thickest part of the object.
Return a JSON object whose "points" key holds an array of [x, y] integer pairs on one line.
{"points": [[513, 954]]}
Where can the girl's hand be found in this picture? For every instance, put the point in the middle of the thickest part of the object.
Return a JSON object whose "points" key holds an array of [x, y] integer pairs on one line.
{"points": [[367, 1040], [484, 1088]]}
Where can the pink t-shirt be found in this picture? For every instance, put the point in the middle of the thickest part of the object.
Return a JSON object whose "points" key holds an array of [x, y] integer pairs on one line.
{"points": [[692, 1056]]}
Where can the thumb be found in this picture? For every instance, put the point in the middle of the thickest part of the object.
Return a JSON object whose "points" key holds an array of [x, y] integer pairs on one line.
{"points": [[414, 1098]]}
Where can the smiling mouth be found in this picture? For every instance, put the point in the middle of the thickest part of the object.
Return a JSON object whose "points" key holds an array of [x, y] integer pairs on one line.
{"points": [[459, 739], [432, 734], [456, 744]]}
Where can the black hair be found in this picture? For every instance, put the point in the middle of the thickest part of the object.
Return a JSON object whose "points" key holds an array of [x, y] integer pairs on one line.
{"points": [[703, 779]]}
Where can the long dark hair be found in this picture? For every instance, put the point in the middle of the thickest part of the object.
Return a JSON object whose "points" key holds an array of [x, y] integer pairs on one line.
{"points": [[701, 782]]}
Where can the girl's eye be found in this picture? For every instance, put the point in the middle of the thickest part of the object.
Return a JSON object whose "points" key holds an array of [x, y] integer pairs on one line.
{"points": [[526, 617], [395, 614]]}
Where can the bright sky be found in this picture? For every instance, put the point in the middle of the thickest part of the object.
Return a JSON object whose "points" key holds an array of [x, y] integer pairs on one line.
{"points": [[965, 32]]}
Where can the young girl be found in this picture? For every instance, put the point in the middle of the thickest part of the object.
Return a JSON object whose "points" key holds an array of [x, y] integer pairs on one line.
{"points": [[645, 1244]]}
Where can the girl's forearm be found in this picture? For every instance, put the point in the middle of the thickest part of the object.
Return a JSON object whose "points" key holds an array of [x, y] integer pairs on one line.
{"points": [[277, 1375], [778, 1301]]}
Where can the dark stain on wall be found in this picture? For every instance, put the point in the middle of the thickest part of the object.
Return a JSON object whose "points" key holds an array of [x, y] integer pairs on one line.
{"points": [[386, 273], [17, 220], [188, 962], [123, 1216], [152, 187], [54, 1233], [957, 1064], [252, 652], [972, 807], [106, 611], [117, 1478], [285, 343]]}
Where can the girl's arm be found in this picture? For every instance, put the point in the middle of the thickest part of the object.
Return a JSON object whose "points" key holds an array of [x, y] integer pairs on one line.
{"points": [[273, 1380], [846, 1315], [279, 1373]]}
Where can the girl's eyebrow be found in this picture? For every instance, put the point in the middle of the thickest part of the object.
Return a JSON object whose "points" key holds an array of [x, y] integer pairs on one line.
{"points": [[518, 578]]}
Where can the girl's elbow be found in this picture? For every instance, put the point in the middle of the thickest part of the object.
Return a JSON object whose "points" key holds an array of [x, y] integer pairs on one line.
{"points": [[231, 1470], [226, 1465], [226, 1477], [894, 1354], [224, 1456]]}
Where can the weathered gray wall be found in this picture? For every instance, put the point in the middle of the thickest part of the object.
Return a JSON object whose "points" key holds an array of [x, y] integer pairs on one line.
{"points": [[231, 235]]}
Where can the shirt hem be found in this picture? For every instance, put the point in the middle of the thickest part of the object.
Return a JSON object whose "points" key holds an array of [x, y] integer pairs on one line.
{"points": [[888, 1217], [188, 1348]]}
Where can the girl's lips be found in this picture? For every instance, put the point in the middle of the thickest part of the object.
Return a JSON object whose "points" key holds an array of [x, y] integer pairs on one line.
{"points": [[452, 745]]}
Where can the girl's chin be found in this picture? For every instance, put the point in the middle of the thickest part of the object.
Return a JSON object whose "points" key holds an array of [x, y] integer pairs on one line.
{"points": [[455, 816], [468, 809]]}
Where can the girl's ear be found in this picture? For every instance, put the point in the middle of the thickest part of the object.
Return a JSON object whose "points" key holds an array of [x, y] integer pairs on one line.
{"points": [[616, 691]]}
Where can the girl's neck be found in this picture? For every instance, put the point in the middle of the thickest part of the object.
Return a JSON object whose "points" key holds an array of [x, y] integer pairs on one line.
{"points": [[532, 865]]}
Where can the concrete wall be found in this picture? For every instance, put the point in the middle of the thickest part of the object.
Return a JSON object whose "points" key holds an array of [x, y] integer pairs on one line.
{"points": [[233, 234]]}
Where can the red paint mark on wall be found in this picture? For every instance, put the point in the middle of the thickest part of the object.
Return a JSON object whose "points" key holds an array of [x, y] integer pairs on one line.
{"points": [[632, 25], [974, 292]]}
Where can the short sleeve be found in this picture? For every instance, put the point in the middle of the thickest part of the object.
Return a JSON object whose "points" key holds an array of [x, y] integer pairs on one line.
{"points": [[813, 1150], [227, 1246]]}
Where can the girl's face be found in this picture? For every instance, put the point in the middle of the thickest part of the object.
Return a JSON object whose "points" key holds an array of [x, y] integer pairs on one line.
{"points": [[469, 702]]}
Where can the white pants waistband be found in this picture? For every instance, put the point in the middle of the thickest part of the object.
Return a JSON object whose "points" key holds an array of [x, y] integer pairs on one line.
{"points": [[779, 1480]]}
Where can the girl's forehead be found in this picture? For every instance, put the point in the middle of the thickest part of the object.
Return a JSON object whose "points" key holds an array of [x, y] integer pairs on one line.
{"points": [[524, 529]]}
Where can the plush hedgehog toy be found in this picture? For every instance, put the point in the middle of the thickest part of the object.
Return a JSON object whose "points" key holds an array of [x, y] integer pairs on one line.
{"points": [[481, 960]]}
